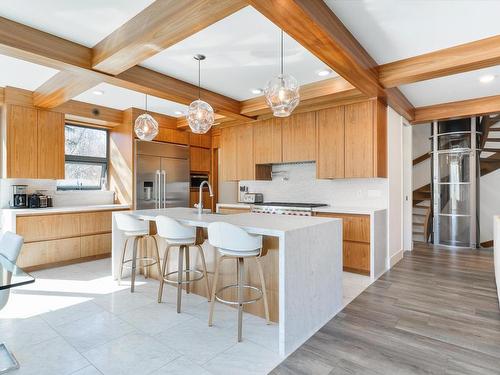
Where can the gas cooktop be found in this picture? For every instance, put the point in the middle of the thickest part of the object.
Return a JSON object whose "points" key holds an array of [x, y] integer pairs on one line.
{"points": [[291, 204]]}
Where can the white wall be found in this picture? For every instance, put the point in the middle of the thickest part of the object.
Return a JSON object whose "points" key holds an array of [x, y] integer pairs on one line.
{"points": [[421, 145], [489, 205], [395, 187], [301, 185], [60, 198]]}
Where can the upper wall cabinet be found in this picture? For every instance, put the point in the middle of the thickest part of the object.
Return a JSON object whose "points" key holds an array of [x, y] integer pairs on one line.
{"points": [[267, 141], [237, 157], [330, 158], [34, 143], [299, 137], [172, 136], [199, 159], [365, 140], [200, 140]]}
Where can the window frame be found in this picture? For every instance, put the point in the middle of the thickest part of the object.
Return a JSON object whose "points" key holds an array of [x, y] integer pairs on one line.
{"points": [[92, 160]]}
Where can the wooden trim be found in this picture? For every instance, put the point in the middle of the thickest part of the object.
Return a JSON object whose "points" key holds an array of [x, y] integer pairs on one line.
{"points": [[458, 59], [421, 158], [145, 34], [460, 109], [66, 262]]}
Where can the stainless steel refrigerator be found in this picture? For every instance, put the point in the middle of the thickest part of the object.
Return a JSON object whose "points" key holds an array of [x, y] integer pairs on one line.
{"points": [[162, 175]]}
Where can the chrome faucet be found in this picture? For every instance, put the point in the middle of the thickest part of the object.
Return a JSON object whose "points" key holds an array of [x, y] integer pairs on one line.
{"points": [[199, 205]]}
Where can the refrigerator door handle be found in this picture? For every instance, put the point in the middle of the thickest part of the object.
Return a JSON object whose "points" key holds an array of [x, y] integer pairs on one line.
{"points": [[158, 189], [164, 174]]}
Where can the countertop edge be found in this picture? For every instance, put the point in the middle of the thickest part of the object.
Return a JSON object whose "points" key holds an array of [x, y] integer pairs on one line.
{"points": [[333, 210], [66, 209]]}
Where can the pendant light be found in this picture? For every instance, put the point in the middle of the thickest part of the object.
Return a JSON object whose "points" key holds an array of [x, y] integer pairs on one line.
{"points": [[146, 127], [200, 115], [282, 92]]}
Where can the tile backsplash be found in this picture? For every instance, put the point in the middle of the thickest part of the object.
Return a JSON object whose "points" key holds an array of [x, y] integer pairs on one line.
{"points": [[60, 198], [297, 183]]}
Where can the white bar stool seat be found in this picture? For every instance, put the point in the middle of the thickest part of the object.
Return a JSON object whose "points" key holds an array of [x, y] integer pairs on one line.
{"points": [[177, 235], [138, 231], [232, 242]]}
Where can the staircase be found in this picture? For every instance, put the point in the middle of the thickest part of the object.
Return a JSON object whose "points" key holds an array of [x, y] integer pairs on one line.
{"points": [[490, 145], [422, 213]]}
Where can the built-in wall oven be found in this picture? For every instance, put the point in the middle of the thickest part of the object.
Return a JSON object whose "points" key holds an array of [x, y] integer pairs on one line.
{"points": [[197, 179]]}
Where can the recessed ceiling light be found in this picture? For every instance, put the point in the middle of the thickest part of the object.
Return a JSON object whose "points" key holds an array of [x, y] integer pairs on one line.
{"points": [[256, 91], [325, 72], [98, 92], [486, 78], [179, 113]]}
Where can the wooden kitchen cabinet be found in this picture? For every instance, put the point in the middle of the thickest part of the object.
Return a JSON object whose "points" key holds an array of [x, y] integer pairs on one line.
{"points": [[359, 140], [267, 142], [237, 160], [330, 143], [95, 222], [194, 197], [200, 159], [299, 137], [46, 252], [96, 244], [48, 227], [22, 142], [51, 145], [34, 143], [356, 241], [172, 136], [200, 140]]}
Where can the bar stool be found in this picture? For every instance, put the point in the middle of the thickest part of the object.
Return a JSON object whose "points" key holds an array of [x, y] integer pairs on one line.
{"points": [[177, 235], [233, 242], [138, 231]]}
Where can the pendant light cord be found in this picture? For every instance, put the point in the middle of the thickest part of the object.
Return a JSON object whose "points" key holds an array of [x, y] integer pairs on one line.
{"points": [[281, 54], [199, 79], [146, 103]]}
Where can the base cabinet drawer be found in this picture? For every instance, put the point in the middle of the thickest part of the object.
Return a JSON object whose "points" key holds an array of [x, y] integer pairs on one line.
{"points": [[356, 257], [45, 252], [232, 210], [95, 222], [354, 227], [97, 244], [48, 227]]}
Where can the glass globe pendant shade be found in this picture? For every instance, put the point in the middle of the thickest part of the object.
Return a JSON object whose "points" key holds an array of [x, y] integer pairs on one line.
{"points": [[146, 127], [200, 116], [282, 95]]}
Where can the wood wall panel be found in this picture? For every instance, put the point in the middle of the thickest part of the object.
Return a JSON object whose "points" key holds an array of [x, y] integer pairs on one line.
{"points": [[330, 143], [359, 140], [51, 142]]}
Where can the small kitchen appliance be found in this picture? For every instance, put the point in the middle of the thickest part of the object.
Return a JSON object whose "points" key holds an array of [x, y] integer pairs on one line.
{"points": [[253, 198], [19, 196]]}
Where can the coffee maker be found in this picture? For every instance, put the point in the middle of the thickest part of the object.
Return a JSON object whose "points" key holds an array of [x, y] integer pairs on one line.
{"points": [[19, 196]]}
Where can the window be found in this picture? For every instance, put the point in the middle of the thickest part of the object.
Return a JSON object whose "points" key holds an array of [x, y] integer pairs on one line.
{"points": [[86, 161]]}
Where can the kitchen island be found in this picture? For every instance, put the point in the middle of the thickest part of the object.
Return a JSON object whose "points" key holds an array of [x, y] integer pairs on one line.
{"points": [[309, 264]]}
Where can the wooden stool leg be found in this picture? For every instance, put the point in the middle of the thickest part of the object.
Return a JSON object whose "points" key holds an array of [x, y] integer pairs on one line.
{"points": [[214, 290], [204, 265], [157, 252], [180, 271], [240, 270], [188, 287], [134, 263], [163, 273], [120, 274], [144, 251], [264, 292]]}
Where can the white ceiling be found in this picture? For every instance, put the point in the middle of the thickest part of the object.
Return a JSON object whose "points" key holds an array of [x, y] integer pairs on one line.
{"points": [[120, 98], [85, 22], [242, 53], [391, 30], [22, 74], [452, 88]]}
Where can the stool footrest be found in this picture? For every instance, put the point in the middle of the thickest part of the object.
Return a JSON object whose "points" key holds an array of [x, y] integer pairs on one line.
{"points": [[152, 262], [172, 281], [244, 302]]}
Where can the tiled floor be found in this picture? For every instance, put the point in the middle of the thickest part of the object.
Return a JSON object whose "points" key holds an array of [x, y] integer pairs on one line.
{"points": [[76, 320]]}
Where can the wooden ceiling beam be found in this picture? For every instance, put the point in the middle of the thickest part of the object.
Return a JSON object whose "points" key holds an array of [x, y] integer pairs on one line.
{"points": [[313, 24], [317, 28], [159, 26], [36, 46], [459, 109], [462, 58]]}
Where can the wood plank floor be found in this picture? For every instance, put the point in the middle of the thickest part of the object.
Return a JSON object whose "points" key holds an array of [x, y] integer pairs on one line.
{"points": [[435, 312]]}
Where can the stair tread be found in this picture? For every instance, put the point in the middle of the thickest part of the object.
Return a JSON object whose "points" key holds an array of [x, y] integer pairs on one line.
{"points": [[492, 139], [491, 149], [422, 233], [417, 214], [419, 224]]}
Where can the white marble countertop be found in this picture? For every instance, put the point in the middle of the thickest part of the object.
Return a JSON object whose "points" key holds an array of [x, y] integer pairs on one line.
{"points": [[332, 209], [57, 210], [264, 224]]}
